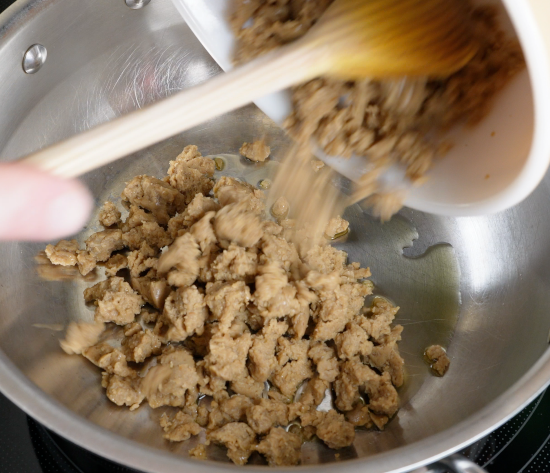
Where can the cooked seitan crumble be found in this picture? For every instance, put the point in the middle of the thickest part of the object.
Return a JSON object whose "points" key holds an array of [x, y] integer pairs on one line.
{"points": [[257, 151], [438, 359], [239, 321]]}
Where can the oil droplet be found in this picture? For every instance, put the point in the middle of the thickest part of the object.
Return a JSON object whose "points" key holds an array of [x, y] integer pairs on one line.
{"points": [[264, 184], [368, 283], [424, 281], [337, 235], [341, 234], [220, 163], [294, 427], [267, 387]]}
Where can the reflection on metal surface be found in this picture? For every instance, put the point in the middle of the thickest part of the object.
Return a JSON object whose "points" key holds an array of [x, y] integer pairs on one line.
{"points": [[136, 4], [34, 58], [51, 272], [480, 240]]}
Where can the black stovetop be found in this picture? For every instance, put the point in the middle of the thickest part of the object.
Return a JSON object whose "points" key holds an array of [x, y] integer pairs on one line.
{"points": [[522, 445], [28, 447]]}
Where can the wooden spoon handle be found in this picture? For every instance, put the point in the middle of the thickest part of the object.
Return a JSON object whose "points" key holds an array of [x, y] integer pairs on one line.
{"points": [[129, 133]]}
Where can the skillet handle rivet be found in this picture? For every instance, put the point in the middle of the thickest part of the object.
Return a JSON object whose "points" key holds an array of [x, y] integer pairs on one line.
{"points": [[34, 58]]}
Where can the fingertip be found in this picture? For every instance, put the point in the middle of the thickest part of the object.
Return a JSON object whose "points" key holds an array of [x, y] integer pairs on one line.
{"points": [[37, 206], [67, 212]]}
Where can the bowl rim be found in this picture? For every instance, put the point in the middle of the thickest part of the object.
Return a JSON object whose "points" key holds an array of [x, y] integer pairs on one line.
{"points": [[527, 18]]}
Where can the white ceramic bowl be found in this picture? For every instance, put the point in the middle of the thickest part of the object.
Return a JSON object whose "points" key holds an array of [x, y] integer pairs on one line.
{"points": [[492, 166]]}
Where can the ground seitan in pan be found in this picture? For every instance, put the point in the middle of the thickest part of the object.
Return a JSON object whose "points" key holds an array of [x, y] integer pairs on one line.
{"points": [[234, 304], [224, 302]]}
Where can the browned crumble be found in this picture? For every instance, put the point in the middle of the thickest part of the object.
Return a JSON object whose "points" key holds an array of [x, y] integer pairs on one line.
{"points": [[233, 302], [257, 151], [109, 215], [199, 452], [336, 226], [438, 359]]}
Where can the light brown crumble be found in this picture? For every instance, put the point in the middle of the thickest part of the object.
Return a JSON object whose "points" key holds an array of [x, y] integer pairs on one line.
{"points": [[438, 359], [109, 215], [257, 151], [199, 452], [233, 302]]}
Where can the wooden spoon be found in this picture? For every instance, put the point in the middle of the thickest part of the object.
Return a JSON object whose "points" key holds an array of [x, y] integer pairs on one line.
{"points": [[353, 39]]}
